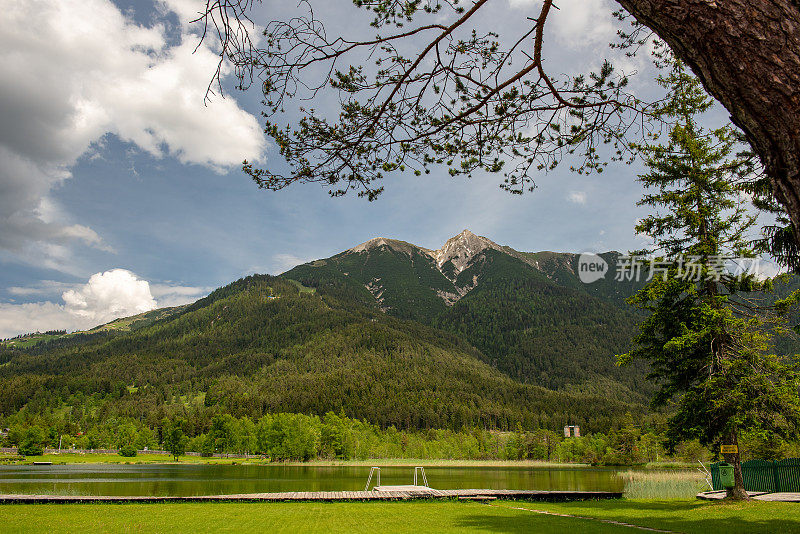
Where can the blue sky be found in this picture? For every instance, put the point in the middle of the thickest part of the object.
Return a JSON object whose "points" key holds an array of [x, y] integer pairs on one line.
{"points": [[122, 188]]}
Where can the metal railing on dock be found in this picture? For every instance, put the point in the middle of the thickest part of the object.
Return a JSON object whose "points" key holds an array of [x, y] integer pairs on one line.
{"points": [[371, 471], [424, 478]]}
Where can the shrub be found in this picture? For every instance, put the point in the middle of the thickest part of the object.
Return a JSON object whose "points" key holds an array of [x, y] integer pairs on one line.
{"points": [[32, 442], [30, 448], [127, 451]]}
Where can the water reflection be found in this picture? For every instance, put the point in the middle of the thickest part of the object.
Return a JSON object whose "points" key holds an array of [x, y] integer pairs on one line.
{"points": [[179, 480]]}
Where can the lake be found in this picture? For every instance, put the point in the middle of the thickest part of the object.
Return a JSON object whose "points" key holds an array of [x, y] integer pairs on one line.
{"points": [[195, 479]]}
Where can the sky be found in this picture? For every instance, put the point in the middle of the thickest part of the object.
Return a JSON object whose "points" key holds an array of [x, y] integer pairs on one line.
{"points": [[121, 188]]}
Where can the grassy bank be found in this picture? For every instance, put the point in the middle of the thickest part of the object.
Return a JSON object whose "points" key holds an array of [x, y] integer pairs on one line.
{"points": [[449, 516], [69, 458], [388, 462]]}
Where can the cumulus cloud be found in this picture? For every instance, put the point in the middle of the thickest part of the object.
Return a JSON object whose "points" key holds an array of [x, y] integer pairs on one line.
{"points": [[78, 70], [111, 294], [577, 197], [105, 296]]}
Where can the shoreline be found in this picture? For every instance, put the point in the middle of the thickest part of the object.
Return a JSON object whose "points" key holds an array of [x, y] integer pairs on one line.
{"points": [[66, 458]]}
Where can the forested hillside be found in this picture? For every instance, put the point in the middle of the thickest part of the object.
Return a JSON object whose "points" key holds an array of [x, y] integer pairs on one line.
{"points": [[543, 333], [260, 345], [403, 282], [470, 335], [528, 313]]}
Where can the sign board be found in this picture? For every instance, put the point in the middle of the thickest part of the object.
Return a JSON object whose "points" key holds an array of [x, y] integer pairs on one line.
{"points": [[729, 449]]}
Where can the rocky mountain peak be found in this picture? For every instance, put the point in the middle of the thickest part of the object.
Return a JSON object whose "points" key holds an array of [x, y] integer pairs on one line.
{"points": [[461, 249], [394, 244]]}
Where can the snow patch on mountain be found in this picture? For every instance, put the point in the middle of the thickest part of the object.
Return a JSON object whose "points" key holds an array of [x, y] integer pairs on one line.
{"points": [[376, 288]]}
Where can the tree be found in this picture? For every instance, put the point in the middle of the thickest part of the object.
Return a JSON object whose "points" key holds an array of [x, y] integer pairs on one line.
{"points": [[705, 337], [747, 55], [127, 437], [224, 433], [467, 101], [32, 441], [174, 439]]}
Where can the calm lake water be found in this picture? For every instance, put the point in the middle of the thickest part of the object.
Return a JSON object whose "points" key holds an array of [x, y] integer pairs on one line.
{"points": [[177, 480]]}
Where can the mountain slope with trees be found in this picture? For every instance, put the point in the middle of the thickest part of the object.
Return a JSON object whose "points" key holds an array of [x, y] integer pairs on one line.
{"points": [[528, 313], [260, 346]]}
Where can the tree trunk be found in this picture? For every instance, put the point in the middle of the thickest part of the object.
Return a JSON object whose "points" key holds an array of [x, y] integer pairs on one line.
{"points": [[747, 54], [737, 492]]}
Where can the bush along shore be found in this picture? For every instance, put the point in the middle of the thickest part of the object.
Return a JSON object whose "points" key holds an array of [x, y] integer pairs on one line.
{"points": [[287, 437]]}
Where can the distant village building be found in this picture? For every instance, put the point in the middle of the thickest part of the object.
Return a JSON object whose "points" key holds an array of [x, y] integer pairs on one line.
{"points": [[572, 431]]}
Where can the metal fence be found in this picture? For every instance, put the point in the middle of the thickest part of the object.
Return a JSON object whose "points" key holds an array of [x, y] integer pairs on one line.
{"points": [[765, 475]]}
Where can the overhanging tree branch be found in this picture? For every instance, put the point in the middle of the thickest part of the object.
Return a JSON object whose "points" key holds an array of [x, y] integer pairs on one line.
{"points": [[464, 100]]}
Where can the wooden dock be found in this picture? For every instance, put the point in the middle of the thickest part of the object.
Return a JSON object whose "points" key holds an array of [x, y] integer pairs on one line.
{"points": [[758, 495], [384, 494]]}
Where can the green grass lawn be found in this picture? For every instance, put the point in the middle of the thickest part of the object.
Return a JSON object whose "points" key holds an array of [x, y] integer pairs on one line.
{"points": [[691, 515], [418, 516], [71, 458]]}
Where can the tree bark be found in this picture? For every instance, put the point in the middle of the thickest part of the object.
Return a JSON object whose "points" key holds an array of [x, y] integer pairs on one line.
{"points": [[737, 492], [747, 55]]}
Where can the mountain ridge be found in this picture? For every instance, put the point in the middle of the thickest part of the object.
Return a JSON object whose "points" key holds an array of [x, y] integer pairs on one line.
{"points": [[261, 345], [471, 334], [459, 249], [458, 252], [528, 313]]}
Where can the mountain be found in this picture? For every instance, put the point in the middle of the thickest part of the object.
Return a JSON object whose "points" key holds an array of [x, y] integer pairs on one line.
{"points": [[473, 334], [265, 344], [528, 313]]}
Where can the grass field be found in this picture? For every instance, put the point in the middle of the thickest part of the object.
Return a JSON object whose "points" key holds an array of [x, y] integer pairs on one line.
{"points": [[687, 516], [70, 458]]}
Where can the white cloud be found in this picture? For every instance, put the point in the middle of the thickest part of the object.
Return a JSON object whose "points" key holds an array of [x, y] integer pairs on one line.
{"points": [[44, 288], [175, 295], [77, 70], [115, 293], [105, 296], [36, 316], [577, 197], [760, 267], [187, 10], [576, 23], [284, 262]]}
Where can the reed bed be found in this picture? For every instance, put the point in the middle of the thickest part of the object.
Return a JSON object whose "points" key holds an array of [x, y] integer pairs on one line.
{"points": [[672, 484]]}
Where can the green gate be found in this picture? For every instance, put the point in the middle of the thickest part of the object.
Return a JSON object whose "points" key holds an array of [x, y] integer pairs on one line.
{"points": [[765, 475]]}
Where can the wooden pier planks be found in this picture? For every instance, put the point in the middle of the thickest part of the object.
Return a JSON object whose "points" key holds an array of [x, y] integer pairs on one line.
{"points": [[758, 495], [331, 496]]}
